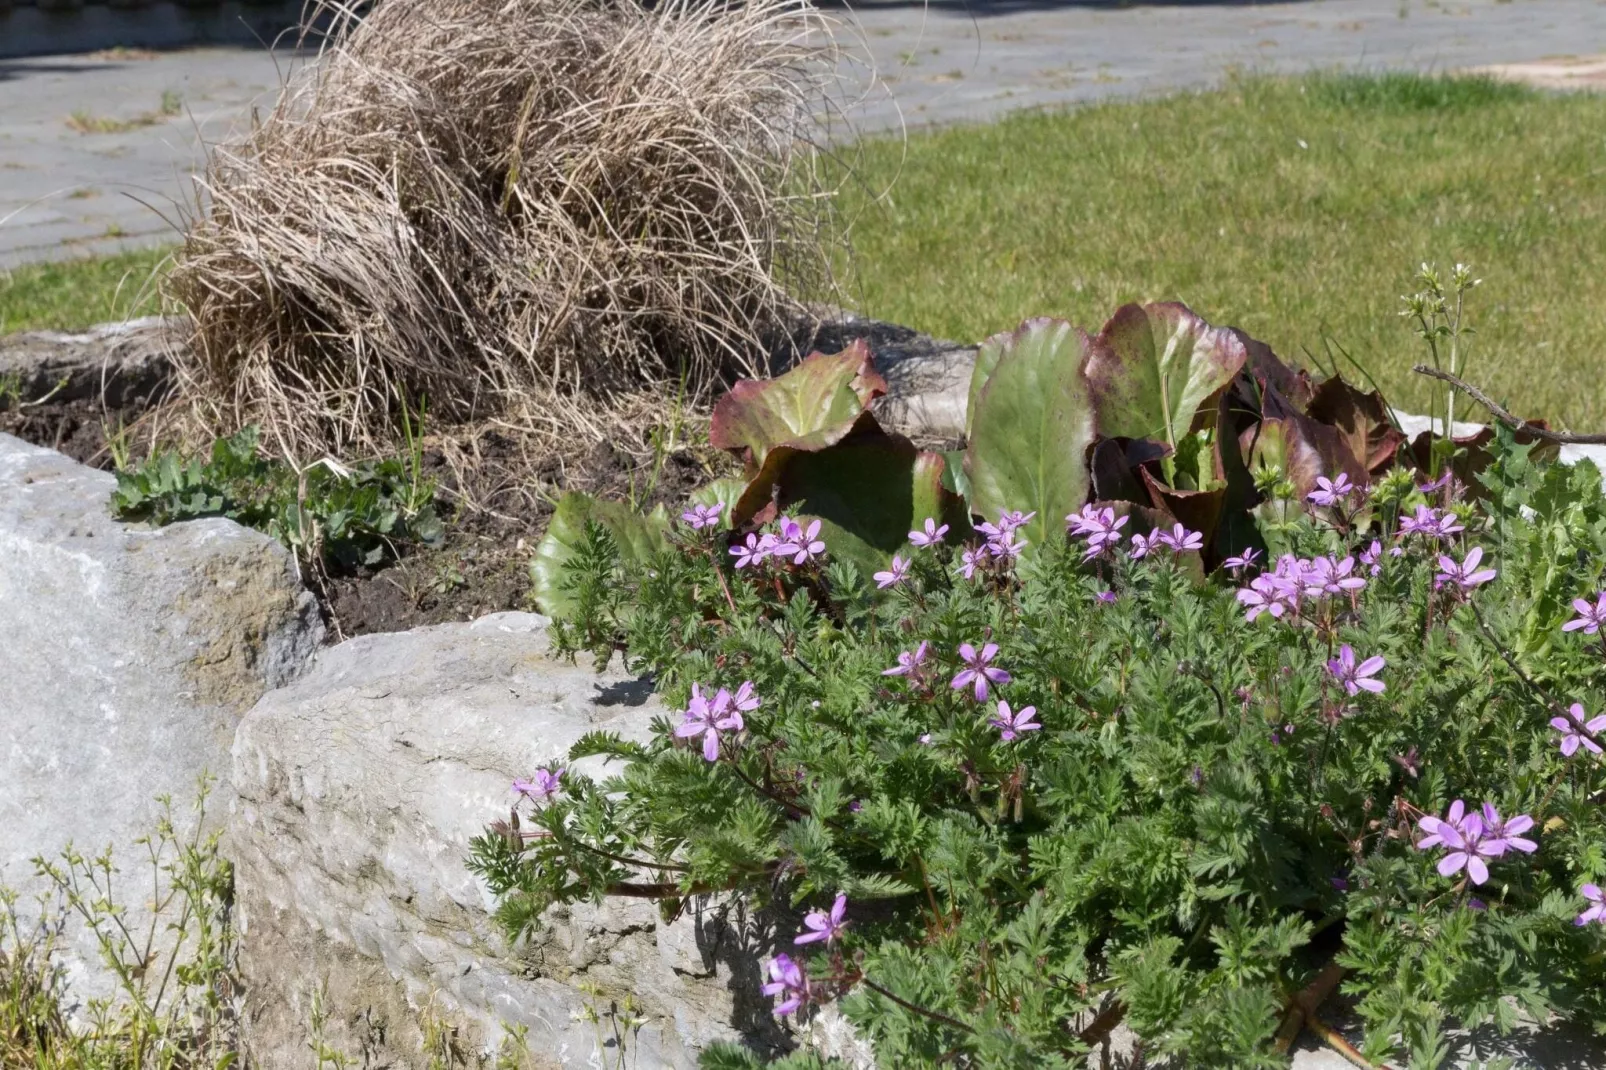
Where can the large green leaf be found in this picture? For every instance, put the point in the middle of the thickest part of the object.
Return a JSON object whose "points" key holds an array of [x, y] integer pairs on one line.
{"points": [[987, 357], [1154, 367], [810, 407], [1031, 429], [869, 491], [637, 535]]}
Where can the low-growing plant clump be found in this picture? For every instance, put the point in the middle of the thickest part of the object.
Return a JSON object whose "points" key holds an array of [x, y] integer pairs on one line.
{"points": [[1064, 756], [326, 513]]}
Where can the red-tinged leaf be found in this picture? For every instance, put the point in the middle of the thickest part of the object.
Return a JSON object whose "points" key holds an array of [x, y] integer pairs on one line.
{"points": [[810, 407], [1267, 369], [1115, 466], [1302, 448], [1197, 510], [1155, 369], [1361, 420], [1472, 454]]}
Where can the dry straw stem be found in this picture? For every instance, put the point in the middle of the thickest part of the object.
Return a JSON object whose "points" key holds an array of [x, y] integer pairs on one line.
{"points": [[485, 202]]}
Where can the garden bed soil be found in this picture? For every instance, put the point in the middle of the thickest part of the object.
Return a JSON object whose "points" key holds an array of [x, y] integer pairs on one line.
{"points": [[483, 564]]}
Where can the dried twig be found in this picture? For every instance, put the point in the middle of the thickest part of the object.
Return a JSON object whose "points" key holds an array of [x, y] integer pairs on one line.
{"points": [[1516, 423]]}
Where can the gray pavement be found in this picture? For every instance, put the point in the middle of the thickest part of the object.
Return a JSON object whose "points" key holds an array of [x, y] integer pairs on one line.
{"points": [[64, 192]]}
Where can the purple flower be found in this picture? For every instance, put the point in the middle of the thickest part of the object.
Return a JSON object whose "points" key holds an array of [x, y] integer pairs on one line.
{"points": [[708, 717], [1499, 835], [1370, 556], [1594, 913], [703, 516], [1356, 678], [971, 560], [1330, 491], [799, 543], [542, 785], [896, 574], [1324, 576], [823, 926], [925, 739], [931, 536], [1577, 732], [787, 979], [1142, 545], [1590, 617], [754, 550], [1008, 520], [1010, 725], [1106, 598], [745, 700], [977, 671], [1463, 836], [1181, 540], [1464, 575], [909, 662], [1430, 523], [1004, 545], [1265, 594], [1101, 527], [1241, 561], [1437, 484]]}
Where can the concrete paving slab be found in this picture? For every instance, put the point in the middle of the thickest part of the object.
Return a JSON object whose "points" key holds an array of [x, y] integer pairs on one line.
{"points": [[64, 193]]}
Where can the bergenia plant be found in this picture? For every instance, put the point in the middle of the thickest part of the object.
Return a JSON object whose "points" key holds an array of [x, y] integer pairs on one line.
{"points": [[994, 805]]}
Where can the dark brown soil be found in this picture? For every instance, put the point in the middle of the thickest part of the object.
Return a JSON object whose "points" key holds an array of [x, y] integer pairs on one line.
{"points": [[483, 565], [76, 428]]}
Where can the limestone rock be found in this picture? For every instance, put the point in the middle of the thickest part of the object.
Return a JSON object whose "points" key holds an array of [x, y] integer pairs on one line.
{"points": [[127, 657], [358, 789], [116, 363]]}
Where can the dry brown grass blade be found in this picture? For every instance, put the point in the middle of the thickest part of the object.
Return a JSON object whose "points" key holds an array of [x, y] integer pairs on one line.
{"points": [[484, 201]]}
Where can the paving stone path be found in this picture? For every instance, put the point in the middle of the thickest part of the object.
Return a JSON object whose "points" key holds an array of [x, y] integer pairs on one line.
{"points": [[66, 192]]}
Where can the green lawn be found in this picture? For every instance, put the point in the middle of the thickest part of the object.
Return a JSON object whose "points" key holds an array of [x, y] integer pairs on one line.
{"points": [[77, 293], [1296, 210]]}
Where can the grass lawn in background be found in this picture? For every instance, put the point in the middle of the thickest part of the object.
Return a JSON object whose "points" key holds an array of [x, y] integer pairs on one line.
{"points": [[70, 294], [1297, 210]]}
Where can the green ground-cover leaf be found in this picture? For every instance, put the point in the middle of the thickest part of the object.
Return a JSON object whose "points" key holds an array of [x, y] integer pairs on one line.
{"points": [[636, 536]]}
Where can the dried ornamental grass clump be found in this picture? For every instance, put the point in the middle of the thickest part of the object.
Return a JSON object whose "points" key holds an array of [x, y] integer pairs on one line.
{"points": [[481, 201]]}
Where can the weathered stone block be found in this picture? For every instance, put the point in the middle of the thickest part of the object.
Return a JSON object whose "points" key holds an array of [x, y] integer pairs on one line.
{"points": [[127, 657], [359, 787]]}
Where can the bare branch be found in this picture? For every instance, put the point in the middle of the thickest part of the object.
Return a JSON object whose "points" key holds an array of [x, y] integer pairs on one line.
{"points": [[1516, 423]]}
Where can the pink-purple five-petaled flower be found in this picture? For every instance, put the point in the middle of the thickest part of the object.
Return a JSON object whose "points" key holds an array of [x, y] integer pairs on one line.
{"points": [[931, 536], [1354, 677], [699, 517], [1464, 574], [788, 980], [1471, 840], [1579, 732], [822, 925], [1010, 725], [896, 574], [711, 717], [1590, 617], [909, 662], [978, 672], [542, 785]]}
